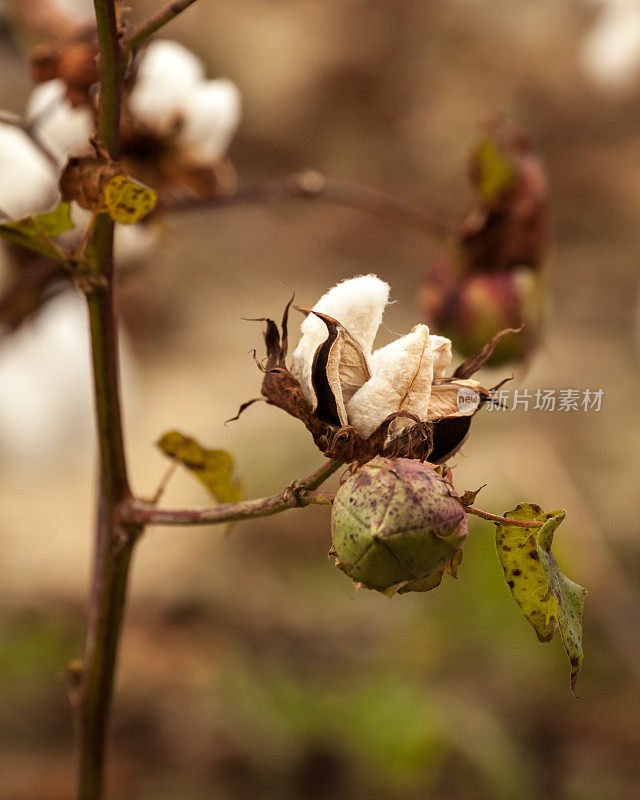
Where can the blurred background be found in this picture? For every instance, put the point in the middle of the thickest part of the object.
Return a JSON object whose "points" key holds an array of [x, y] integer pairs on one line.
{"points": [[248, 669]]}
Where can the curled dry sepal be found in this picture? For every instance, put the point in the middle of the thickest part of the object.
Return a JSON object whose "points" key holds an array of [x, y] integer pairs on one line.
{"points": [[394, 402]]}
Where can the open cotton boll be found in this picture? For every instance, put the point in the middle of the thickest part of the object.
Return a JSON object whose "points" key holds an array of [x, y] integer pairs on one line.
{"points": [[211, 112], [442, 355], [63, 130], [358, 305], [611, 51], [166, 74], [28, 182], [401, 381], [165, 60]]}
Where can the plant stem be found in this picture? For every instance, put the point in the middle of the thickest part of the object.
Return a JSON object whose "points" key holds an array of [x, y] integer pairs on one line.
{"points": [[300, 493], [146, 514], [115, 539], [155, 22], [311, 184], [502, 520]]}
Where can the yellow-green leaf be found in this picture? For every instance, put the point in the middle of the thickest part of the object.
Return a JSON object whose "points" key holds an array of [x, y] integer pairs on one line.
{"points": [[127, 201], [214, 468], [36, 232], [548, 599], [525, 576], [569, 595], [495, 171]]}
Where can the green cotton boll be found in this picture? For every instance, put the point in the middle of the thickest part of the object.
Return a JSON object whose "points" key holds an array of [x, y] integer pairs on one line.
{"points": [[396, 526]]}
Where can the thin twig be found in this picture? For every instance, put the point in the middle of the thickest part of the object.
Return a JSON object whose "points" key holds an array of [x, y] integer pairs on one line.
{"points": [[145, 514], [311, 185], [502, 520], [297, 495], [155, 22]]}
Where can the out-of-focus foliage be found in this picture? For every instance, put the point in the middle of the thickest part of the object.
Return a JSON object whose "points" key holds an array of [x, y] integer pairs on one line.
{"points": [[35, 233], [213, 468]]}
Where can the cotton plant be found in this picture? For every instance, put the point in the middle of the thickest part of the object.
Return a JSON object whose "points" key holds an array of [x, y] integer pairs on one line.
{"points": [[398, 377], [359, 402], [176, 123]]}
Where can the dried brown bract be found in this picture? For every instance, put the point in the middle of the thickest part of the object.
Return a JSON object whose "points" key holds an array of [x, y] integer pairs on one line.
{"points": [[340, 368]]}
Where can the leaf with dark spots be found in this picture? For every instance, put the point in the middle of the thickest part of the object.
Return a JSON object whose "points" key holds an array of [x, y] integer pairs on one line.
{"points": [[569, 596], [548, 599], [213, 468], [479, 359]]}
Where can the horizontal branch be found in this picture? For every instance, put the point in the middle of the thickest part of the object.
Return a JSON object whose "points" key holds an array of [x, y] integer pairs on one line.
{"points": [[297, 495], [502, 520], [311, 185], [155, 22], [145, 514]]}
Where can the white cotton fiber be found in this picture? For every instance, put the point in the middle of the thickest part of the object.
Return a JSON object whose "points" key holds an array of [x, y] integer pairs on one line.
{"points": [[64, 130], [28, 182], [401, 381], [358, 304], [167, 73], [211, 112], [441, 349]]}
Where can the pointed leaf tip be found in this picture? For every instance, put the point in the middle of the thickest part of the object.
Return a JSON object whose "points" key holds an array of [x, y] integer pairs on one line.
{"points": [[547, 598], [215, 469]]}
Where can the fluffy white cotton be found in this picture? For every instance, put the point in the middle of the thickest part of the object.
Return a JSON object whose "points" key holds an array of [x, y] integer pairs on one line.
{"points": [[165, 60], [358, 304], [442, 355], [401, 378], [64, 130], [611, 50], [28, 182], [211, 114], [46, 401], [167, 73]]}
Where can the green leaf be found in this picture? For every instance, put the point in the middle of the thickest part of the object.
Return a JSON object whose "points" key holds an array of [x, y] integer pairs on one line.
{"points": [[547, 598], [214, 468], [569, 595], [518, 554], [495, 171], [35, 233]]}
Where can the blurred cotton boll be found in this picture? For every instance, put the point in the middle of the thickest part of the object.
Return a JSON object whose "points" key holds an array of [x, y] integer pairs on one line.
{"points": [[170, 89], [211, 116], [64, 130], [611, 51], [46, 393], [28, 182]]}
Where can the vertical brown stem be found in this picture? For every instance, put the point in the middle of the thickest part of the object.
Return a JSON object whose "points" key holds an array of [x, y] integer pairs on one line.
{"points": [[114, 541]]}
